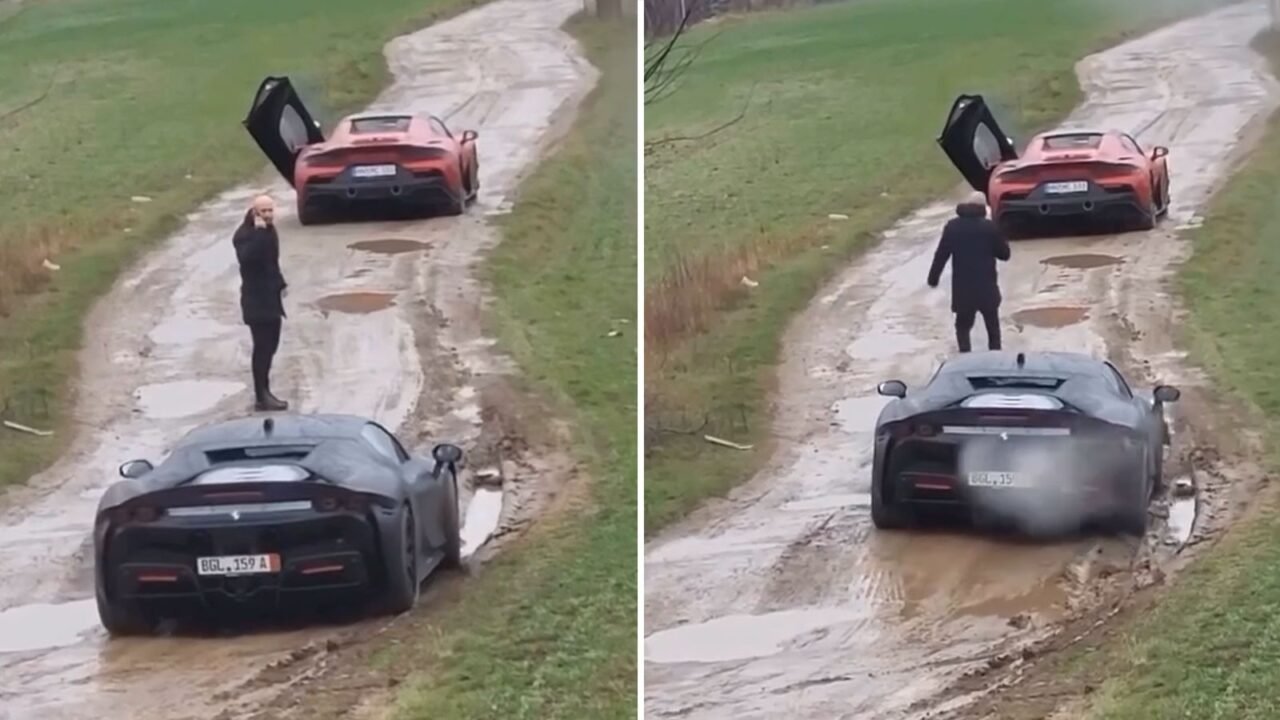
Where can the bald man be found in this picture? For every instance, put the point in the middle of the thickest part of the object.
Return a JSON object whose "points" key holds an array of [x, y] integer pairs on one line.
{"points": [[262, 288], [973, 244]]}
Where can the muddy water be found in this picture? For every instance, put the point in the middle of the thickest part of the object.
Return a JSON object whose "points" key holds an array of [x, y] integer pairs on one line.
{"points": [[356, 303], [1050, 317], [167, 352], [784, 600], [1082, 261], [391, 246]]}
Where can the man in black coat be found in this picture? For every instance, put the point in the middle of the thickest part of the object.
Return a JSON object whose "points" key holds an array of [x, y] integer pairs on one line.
{"points": [[973, 244], [262, 288]]}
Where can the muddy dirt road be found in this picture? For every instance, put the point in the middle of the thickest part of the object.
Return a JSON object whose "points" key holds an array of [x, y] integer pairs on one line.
{"points": [[783, 600], [384, 321]]}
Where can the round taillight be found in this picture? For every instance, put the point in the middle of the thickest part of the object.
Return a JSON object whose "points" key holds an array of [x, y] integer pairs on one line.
{"points": [[326, 504], [926, 430], [144, 514]]}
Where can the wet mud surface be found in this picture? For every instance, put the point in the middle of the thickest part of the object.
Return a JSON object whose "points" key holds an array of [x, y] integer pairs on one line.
{"points": [[782, 600], [375, 327]]}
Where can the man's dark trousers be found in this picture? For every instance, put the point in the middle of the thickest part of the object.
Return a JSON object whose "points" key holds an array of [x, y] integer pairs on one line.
{"points": [[964, 324]]}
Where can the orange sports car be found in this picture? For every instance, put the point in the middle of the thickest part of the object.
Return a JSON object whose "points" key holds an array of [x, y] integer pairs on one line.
{"points": [[1065, 175], [407, 161]]}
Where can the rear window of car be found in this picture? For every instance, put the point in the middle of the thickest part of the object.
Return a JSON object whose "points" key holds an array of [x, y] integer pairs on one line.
{"points": [[1083, 141], [364, 126]]}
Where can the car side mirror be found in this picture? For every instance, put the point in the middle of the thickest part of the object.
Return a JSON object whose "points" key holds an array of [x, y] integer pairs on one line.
{"points": [[469, 135], [135, 469], [892, 388], [1159, 152], [1166, 394], [445, 454]]}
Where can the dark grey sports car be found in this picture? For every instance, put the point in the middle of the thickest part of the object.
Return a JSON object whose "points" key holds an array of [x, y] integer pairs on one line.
{"points": [[1047, 439], [258, 512]]}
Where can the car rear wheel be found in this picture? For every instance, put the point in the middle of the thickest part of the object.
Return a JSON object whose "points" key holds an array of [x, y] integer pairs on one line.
{"points": [[400, 559], [122, 618], [887, 514], [1133, 515]]}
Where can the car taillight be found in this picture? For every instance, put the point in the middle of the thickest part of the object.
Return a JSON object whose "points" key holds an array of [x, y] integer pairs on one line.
{"points": [[137, 514], [926, 430]]}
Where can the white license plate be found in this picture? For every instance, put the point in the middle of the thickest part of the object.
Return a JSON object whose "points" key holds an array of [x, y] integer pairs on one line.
{"points": [[1059, 188], [368, 171], [998, 480], [238, 564]]}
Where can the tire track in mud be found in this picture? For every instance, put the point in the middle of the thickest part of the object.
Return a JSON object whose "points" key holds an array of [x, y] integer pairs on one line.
{"points": [[165, 352], [785, 601]]}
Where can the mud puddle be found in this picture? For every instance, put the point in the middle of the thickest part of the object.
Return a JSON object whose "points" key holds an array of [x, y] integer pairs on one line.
{"points": [[390, 246], [44, 626], [1051, 317], [935, 607], [356, 303], [1083, 261], [166, 352], [481, 520]]}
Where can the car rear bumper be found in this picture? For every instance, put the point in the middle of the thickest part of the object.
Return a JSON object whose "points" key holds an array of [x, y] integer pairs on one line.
{"points": [[1097, 203], [1073, 480], [319, 555], [414, 190]]}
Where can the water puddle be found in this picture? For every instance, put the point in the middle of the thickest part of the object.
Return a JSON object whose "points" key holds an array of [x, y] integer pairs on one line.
{"points": [[389, 246], [1182, 517], [1051, 317], [43, 626], [858, 415], [183, 397], [482, 519], [1083, 261], [740, 637], [828, 502], [356, 303]]}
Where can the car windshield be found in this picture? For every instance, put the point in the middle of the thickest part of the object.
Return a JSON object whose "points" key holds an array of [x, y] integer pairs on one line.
{"points": [[364, 126], [1081, 141]]}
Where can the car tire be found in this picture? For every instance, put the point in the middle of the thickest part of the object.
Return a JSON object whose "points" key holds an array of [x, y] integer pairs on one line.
{"points": [[1133, 516], [308, 216], [886, 514], [400, 560], [122, 618], [452, 531]]}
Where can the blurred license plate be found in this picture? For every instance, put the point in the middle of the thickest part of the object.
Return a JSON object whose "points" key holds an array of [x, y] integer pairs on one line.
{"points": [[998, 479], [1059, 188], [238, 564], [367, 171]]}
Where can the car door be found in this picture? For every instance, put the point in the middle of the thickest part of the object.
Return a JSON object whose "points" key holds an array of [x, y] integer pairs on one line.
{"points": [[974, 141], [281, 125]]}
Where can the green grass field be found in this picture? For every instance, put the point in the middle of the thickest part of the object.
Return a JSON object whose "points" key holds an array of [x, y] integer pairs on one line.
{"points": [[102, 100], [845, 101], [1211, 648], [549, 629]]}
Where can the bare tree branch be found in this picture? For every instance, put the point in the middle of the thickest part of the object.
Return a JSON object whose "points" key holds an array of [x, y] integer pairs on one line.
{"points": [[704, 135]]}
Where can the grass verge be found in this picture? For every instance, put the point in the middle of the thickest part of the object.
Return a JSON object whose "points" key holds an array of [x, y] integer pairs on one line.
{"points": [[1210, 649], [842, 104], [122, 98], [550, 632]]}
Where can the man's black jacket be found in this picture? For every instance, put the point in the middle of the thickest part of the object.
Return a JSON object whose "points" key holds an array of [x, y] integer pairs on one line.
{"points": [[261, 282], [973, 244]]}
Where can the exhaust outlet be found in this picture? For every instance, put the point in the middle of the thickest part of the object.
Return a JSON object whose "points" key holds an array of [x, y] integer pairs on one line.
{"points": [[395, 190], [351, 192], [1088, 206], [1044, 209]]}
